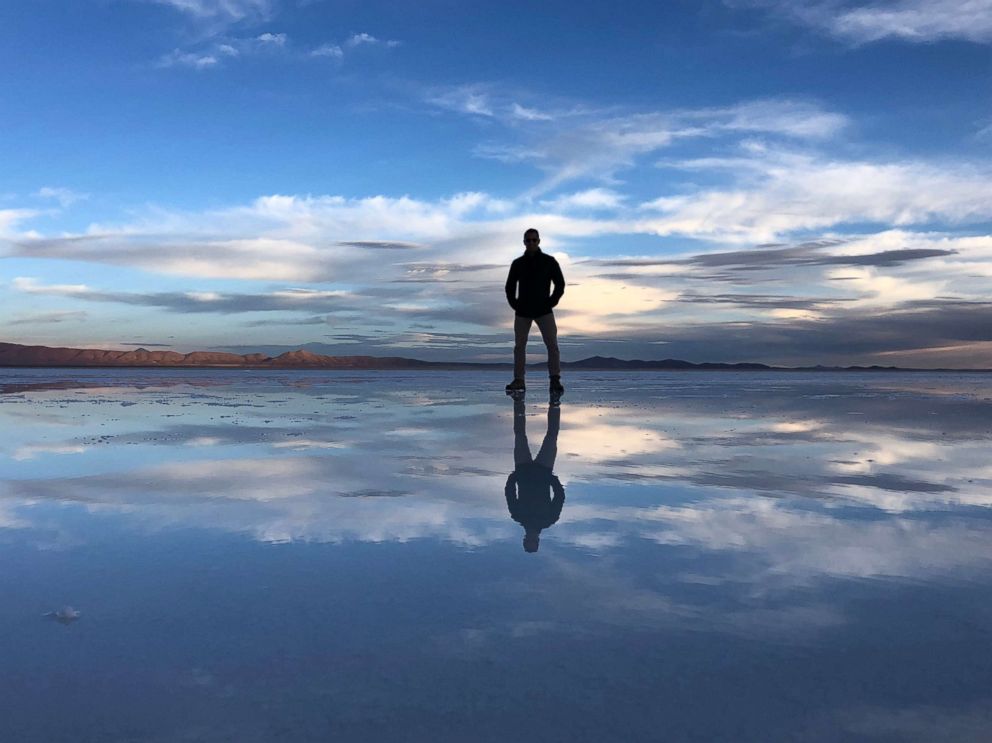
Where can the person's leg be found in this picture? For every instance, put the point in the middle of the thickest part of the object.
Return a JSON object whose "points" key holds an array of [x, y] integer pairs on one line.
{"points": [[521, 449], [549, 449], [521, 328], [549, 332]]}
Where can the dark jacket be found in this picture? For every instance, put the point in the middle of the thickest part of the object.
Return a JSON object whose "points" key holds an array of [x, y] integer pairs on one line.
{"points": [[534, 273], [527, 496]]}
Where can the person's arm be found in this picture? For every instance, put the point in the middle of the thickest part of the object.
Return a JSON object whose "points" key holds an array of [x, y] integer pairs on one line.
{"points": [[511, 286], [510, 491], [559, 499], [559, 282]]}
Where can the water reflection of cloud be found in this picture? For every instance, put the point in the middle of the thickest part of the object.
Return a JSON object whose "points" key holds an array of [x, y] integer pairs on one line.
{"points": [[31, 451], [968, 723], [596, 435], [773, 471]]}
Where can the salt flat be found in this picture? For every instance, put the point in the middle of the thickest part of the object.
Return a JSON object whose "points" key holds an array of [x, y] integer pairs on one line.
{"points": [[261, 556]]}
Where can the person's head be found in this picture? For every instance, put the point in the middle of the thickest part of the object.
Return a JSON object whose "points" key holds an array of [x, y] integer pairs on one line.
{"points": [[532, 239], [532, 540]]}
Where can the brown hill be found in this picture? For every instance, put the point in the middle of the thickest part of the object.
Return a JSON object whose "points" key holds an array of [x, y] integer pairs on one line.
{"points": [[13, 354]]}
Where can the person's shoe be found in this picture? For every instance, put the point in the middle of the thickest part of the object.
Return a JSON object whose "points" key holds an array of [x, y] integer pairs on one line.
{"points": [[555, 387], [517, 385]]}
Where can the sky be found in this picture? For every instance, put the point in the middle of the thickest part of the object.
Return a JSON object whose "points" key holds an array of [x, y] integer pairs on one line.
{"points": [[721, 180]]}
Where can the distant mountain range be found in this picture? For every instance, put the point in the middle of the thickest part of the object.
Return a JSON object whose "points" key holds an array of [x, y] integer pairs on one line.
{"points": [[13, 354]]}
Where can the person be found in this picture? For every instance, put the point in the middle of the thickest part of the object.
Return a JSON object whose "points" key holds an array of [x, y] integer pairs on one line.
{"points": [[532, 481], [527, 291]]}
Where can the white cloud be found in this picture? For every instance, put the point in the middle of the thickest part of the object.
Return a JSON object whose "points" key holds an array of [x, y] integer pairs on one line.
{"points": [[609, 306], [798, 119], [884, 289], [467, 99], [32, 286], [785, 520], [64, 196], [222, 11], [528, 114], [195, 60], [781, 192], [328, 50], [328, 238], [918, 20], [364, 39], [776, 189], [10, 218], [336, 51], [212, 54], [31, 451], [593, 198], [921, 21], [572, 143], [271, 39]]}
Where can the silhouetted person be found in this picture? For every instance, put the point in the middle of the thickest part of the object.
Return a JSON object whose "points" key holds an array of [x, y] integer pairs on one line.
{"points": [[528, 290], [530, 486]]}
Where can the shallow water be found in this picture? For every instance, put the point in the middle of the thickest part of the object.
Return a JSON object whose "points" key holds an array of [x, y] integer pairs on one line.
{"points": [[312, 556]]}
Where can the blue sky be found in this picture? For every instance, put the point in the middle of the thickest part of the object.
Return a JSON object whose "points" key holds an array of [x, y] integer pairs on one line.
{"points": [[746, 180]]}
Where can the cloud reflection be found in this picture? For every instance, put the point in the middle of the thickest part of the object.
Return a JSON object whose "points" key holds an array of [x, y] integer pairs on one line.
{"points": [[798, 477]]}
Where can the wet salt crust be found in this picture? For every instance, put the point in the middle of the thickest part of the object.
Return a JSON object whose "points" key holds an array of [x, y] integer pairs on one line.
{"points": [[315, 556]]}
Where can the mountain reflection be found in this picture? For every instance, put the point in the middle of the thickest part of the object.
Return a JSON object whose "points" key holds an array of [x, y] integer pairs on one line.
{"points": [[534, 495]]}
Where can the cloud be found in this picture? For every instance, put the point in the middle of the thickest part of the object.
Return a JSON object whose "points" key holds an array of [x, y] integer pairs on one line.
{"points": [[213, 53], [32, 451], [328, 50], [31, 286], [48, 318], [294, 299], [572, 141], [364, 39], [776, 192], [337, 50], [380, 245], [195, 60], [467, 99], [918, 21], [593, 198], [312, 238], [964, 722], [64, 196], [804, 254], [840, 336], [528, 114], [575, 143], [220, 13], [271, 39], [204, 256], [702, 470], [816, 296], [769, 214], [10, 218]]}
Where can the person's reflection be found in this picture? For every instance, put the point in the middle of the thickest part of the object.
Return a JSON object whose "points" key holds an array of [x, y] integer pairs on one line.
{"points": [[529, 487]]}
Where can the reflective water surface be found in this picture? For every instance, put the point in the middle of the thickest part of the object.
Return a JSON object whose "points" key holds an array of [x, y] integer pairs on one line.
{"points": [[313, 556]]}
